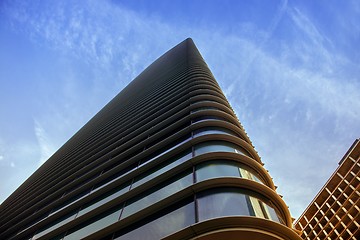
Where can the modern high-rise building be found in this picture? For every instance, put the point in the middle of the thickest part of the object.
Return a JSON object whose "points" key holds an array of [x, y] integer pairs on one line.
{"points": [[335, 211], [165, 159]]}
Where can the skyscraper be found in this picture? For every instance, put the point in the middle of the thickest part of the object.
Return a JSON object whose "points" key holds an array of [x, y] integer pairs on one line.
{"points": [[334, 212], [166, 158]]}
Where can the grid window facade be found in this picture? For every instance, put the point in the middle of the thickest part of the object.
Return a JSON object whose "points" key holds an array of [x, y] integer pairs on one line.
{"points": [[334, 213]]}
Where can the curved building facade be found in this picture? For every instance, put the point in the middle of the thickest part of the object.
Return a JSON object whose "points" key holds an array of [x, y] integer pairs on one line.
{"points": [[165, 159]]}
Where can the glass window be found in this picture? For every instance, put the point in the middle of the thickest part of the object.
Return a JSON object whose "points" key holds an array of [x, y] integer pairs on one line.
{"points": [[222, 202], [224, 168], [161, 224], [272, 215], [234, 202], [213, 130], [165, 150], [214, 169], [249, 175], [115, 177], [219, 146], [165, 166], [157, 139], [85, 181], [158, 193], [57, 223], [204, 109], [263, 210], [33, 222], [205, 118], [70, 201], [94, 225], [104, 199], [257, 207]]}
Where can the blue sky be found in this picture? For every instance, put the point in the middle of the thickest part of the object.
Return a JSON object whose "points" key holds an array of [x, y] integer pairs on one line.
{"points": [[290, 69]]}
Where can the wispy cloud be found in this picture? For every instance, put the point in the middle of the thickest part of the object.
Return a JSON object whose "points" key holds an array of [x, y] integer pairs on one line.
{"points": [[292, 95], [277, 18], [95, 32], [320, 78], [295, 100], [21, 153], [46, 147]]}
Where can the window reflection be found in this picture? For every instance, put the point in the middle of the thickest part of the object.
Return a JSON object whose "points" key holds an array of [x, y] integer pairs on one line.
{"points": [[249, 175], [33, 222], [214, 169], [263, 210], [104, 199], [205, 109], [219, 146], [94, 225], [165, 150], [273, 215], [234, 202], [57, 223], [161, 224], [161, 168], [213, 130], [218, 202], [134, 166], [179, 183], [107, 181], [158, 193], [205, 118], [223, 168], [71, 201]]}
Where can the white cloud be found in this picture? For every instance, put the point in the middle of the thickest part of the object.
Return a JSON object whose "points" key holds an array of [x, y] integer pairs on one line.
{"points": [[22, 153], [45, 144], [284, 96], [275, 21], [298, 107]]}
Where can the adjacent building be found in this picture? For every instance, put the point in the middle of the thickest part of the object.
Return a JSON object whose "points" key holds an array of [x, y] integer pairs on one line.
{"points": [[165, 159], [334, 212]]}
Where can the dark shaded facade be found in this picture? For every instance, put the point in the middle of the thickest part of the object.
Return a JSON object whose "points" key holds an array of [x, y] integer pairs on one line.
{"points": [[165, 159], [335, 211]]}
